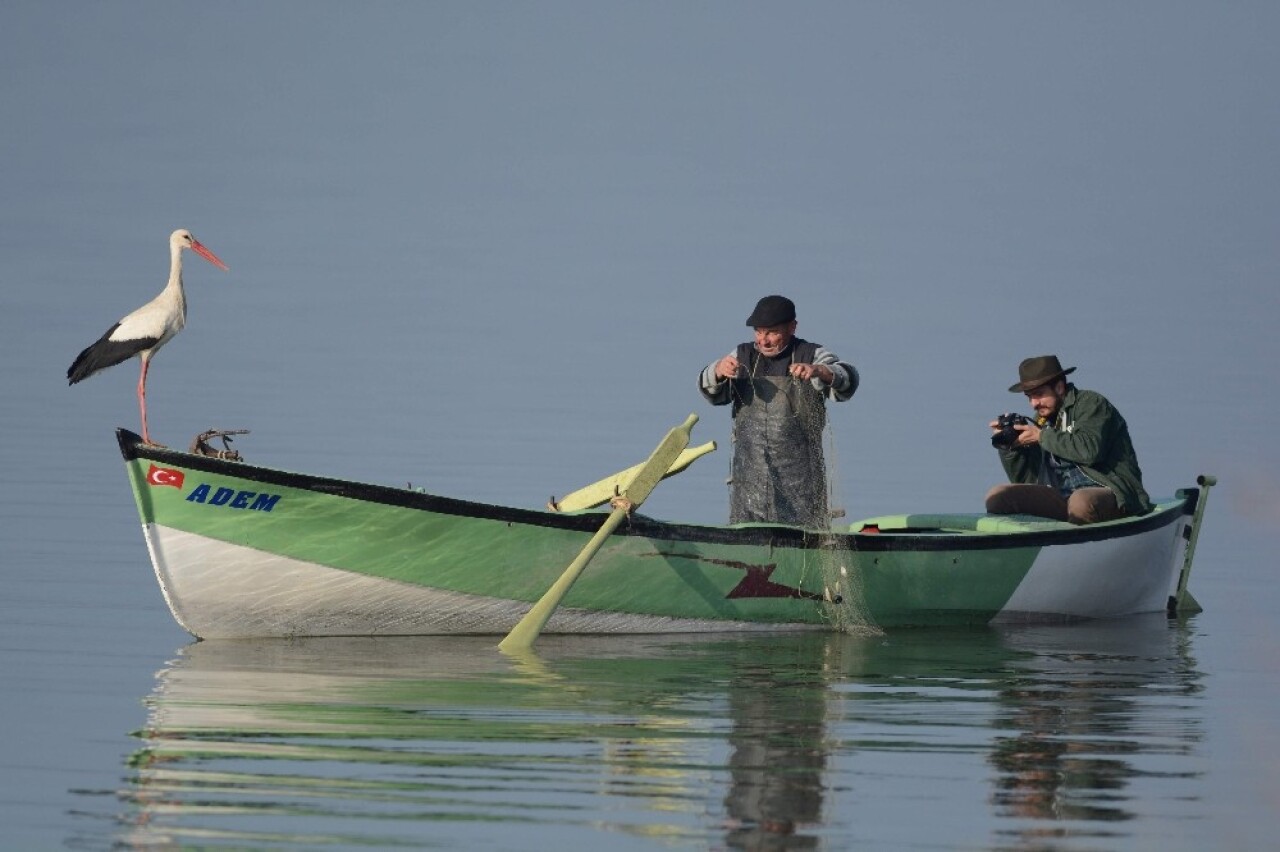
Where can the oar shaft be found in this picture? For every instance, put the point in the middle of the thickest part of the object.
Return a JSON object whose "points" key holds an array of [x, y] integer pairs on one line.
{"points": [[523, 634], [637, 489]]}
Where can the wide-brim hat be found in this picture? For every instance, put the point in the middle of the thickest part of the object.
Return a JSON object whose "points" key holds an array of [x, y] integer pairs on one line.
{"points": [[771, 311], [1037, 371]]}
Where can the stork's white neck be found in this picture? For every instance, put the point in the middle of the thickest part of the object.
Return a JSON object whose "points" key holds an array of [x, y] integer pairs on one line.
{"points": [[175, 266]]}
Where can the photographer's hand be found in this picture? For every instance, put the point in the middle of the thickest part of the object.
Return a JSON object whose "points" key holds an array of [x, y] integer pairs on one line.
{"points": [[1028, 435]]}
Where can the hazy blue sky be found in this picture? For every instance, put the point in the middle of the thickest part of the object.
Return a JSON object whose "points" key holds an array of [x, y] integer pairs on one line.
{"points": [[489, 245]]}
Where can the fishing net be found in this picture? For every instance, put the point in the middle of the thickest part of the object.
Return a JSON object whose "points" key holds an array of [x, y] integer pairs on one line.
{"points": [[843, 590], [784, 471]]}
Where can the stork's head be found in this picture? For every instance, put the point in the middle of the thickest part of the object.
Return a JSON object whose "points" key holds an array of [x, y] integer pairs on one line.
{"points": [[182, 239]]}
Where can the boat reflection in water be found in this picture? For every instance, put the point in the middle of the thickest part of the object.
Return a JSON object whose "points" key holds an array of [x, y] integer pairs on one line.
{"points": [[764, 742], [1098, 709]]}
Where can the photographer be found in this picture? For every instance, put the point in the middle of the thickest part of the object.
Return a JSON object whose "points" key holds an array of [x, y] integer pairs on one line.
{"points": [[1074, 462]]}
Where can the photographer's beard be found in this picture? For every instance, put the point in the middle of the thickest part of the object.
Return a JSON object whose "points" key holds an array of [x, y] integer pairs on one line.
{"points": [[1047, 407]]}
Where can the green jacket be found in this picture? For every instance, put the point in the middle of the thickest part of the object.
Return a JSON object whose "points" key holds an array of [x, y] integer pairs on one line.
{"points": [[1090, 432]]}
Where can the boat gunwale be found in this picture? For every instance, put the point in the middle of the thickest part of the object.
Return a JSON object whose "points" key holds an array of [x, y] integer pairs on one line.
{"points": [[133, 448]]}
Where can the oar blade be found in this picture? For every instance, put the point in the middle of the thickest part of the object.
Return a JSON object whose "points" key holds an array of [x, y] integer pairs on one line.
{"points": [[602, 490], [1183, 603], [652, 471], [522, 636]]}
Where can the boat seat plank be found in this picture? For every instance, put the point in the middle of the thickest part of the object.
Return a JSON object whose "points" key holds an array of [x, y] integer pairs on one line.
{"points": [[977, 523]]}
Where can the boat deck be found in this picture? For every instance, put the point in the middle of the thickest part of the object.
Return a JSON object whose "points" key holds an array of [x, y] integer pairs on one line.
{"points": [[976, 523]]}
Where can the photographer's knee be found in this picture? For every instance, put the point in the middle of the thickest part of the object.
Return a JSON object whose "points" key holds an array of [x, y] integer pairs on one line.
{"points": [[1082, 508], [995, 501]]}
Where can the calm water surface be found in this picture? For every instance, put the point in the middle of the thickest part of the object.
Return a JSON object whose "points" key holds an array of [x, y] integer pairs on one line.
{"points": [[1080, 736]]}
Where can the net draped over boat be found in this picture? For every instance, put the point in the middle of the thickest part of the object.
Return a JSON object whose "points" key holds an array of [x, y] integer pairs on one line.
{"points": [[781, 474]]}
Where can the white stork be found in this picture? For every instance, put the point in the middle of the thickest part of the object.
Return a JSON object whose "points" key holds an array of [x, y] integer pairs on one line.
{"points": [[144, 331]]}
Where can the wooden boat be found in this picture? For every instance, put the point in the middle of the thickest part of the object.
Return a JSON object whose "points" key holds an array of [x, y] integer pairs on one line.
{"points": [[242, 550]]}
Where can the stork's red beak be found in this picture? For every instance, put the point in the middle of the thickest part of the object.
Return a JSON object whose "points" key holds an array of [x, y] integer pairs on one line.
{"points": [[207, 255]]}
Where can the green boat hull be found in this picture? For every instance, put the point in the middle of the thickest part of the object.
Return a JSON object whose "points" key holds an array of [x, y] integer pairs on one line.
{"points": [[248, 551]]}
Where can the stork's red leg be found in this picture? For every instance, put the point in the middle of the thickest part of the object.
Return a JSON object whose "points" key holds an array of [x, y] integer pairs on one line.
{"points": [[142, 400]]}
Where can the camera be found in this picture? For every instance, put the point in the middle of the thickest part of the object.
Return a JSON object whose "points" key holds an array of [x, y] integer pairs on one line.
{"points": [[1007, 436]]}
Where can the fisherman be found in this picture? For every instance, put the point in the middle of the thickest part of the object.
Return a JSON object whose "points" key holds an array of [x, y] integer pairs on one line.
{"points": [[1075, 462], [778, 386]]}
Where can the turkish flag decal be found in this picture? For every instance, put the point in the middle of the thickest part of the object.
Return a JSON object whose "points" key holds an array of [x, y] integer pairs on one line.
{"points": [[164, 476]]}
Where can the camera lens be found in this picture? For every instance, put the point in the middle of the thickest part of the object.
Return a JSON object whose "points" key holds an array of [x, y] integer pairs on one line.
{"points": [[1007, 436]]}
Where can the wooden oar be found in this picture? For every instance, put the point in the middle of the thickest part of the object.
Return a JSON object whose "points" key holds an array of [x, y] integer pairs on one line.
{"points": [[609, 487], [1183, 603], [523, 635]]}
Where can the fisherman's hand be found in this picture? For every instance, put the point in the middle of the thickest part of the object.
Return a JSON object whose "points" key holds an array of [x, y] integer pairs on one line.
{"points": [[727, 367], [809, 371]]}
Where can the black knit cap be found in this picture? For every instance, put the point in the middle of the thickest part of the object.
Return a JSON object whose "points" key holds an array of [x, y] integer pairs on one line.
{"points": [[771, 311]]}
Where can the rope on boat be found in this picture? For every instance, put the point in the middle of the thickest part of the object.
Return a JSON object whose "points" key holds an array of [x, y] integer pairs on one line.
{"points": [[200, 444]]}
